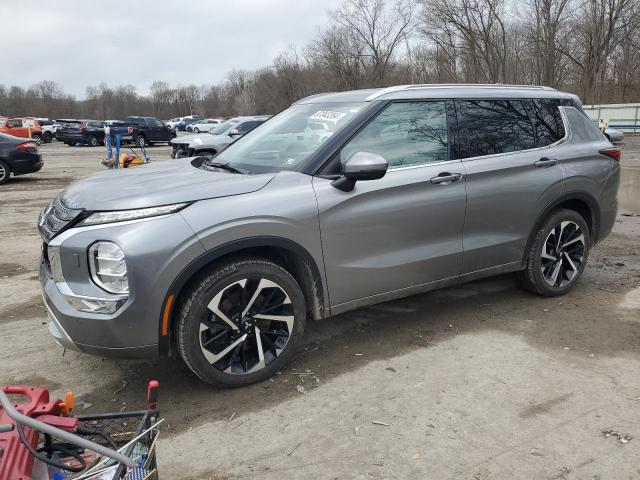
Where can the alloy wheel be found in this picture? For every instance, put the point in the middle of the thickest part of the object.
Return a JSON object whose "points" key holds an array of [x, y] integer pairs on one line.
{"points": [[247, 325], [3, 173], [562, 254]]}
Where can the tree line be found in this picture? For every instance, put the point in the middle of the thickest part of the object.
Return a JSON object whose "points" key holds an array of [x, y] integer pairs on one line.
{"points": [[588, 47]]}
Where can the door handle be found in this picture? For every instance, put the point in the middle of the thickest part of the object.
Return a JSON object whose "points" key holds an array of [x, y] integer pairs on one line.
{"points": [[546, 162], [446, 178]]}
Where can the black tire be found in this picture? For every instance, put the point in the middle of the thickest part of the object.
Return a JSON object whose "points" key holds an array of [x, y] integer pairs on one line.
{"points": [[47, 137], [37, 139], [194, 312], [533, 277], [5, 172], [196, 130], [140, 141], [92, 141]]}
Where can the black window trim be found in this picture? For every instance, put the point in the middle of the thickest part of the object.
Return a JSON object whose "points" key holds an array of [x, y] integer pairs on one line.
{"points": [[545, 147]]}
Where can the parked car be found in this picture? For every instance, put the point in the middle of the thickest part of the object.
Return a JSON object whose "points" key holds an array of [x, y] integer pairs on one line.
{"points": [[142, 131], [217, 139], [22, 127], [18, 156], [222, 261], [86, 132], [613, 135], [203, 125], [48, 129], [181, 126]]}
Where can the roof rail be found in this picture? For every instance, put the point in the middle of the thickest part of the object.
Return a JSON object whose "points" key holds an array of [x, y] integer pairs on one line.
{"points": [[399, 88]]}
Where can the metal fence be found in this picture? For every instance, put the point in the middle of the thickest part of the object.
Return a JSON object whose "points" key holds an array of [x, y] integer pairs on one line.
{"points": [[622, 116]]}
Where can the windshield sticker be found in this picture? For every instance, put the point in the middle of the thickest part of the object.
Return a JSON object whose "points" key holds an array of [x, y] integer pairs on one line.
{"points": [[327, 115]]}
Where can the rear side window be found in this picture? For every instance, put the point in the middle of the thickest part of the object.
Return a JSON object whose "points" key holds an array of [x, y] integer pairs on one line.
{"points": [[494, 126], [547, 121]]}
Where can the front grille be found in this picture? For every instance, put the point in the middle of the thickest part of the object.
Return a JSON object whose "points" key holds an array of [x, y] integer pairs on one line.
{"points": [[55, 217]]}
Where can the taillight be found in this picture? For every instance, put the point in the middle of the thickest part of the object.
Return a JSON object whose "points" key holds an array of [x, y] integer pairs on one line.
{"points": [[27, 146], [614, 153], [81, 127]]}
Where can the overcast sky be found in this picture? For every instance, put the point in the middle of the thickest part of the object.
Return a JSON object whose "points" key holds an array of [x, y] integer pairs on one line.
{"points": [[84, 42]]}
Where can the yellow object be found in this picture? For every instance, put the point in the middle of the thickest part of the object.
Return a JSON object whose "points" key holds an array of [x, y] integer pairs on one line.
{"points": [[68, 404], [126, 161]]}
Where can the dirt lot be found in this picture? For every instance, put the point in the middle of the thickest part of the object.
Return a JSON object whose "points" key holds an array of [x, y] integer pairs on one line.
{"points": [[479, 381]]}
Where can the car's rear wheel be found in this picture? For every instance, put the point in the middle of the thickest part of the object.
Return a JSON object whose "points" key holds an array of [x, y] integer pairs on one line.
{"points": [[196, 130], [93, 141], [558, 254], [37, 138], [241, 322], [5, 172], [48, 137]]}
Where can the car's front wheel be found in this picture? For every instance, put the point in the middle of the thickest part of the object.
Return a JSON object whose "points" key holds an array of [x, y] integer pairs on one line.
{"points": [[241, 322], [557, 255]]}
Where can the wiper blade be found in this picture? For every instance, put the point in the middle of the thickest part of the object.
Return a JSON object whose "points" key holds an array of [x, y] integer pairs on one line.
{"points": [[224, 166]]}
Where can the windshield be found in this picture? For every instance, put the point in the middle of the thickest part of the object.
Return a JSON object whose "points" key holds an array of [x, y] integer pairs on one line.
{"points": [[223, 127], [289, 138]]}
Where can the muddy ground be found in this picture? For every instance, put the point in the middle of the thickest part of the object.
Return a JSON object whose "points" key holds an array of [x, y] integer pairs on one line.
{"points": [[475, 382]]}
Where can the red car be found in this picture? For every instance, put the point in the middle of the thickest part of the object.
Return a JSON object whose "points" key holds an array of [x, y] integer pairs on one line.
{"points": [[22, 127]]}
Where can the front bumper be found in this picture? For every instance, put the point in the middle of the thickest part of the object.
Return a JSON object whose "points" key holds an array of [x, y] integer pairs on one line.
{"points": [[96, 334], [156, 251]]}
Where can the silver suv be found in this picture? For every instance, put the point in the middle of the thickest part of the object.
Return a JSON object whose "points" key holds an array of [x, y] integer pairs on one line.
{"points": [[342, 200], [215, 140]]}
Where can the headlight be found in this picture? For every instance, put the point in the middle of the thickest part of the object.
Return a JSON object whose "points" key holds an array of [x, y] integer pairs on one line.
{"points": [[124, 215], [108, 267]]}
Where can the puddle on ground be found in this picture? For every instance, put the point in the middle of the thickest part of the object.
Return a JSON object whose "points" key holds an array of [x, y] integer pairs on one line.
{"points": [[629, 194]]}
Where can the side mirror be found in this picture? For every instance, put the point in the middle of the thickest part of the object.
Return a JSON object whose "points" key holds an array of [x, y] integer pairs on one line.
{"points": [[361, 166], [234, 132]]}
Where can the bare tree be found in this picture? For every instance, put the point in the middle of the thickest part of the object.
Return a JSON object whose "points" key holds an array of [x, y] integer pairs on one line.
{"points": [[375, 31], [599, 27], [471, 30]]}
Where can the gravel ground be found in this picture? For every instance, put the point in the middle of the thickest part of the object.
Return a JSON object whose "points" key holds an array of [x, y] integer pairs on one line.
{"points": [[479, 381]]}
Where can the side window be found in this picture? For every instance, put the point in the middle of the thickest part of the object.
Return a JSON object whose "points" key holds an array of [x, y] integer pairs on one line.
{"points": [[14, 123], [494, 126], [547, 121], [246, 127], [405, 134]]}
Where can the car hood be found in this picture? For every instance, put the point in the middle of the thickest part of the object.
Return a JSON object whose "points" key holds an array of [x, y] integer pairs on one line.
{"points": [[161, 183], [203, 140]]}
